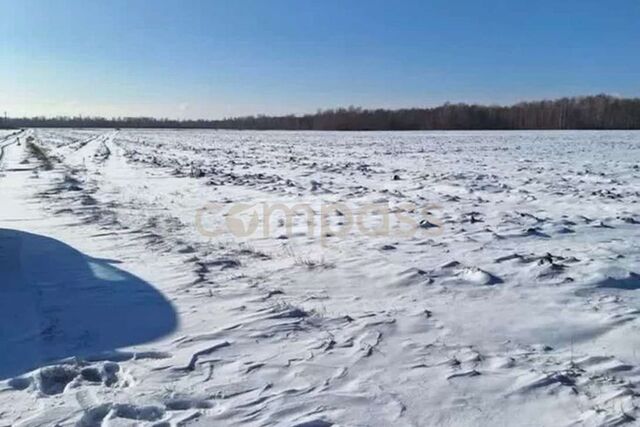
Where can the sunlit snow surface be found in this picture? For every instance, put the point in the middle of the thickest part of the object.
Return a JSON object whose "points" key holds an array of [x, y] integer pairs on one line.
{"points": [[513, 301]]}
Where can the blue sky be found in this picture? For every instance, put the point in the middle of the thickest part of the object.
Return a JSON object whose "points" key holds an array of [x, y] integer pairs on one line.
{"points": [[213, 58]]}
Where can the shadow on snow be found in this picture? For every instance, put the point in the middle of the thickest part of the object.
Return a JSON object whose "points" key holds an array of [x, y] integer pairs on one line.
{"points": [[629, 283], [56, 302]]}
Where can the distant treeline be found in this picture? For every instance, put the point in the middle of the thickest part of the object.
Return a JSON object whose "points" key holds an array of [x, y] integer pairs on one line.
{"points": [[589, 112]]}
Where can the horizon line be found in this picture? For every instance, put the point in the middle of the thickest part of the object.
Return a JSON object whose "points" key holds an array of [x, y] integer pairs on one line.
{"points": [[319, 110]]}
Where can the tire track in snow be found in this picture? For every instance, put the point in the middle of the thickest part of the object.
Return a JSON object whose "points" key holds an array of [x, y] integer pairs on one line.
{"points": [[6, 138]]}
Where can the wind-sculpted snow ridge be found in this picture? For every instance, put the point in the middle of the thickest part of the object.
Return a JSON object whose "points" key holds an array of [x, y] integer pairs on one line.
{"points": [[316, 279]]}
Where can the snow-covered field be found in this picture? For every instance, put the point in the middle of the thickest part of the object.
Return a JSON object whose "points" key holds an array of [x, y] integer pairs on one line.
{"points": [[453, 278]]}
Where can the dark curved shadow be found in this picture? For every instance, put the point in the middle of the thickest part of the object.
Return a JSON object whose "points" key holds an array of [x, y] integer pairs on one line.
{"points": [[629, 283], [56, 302]]}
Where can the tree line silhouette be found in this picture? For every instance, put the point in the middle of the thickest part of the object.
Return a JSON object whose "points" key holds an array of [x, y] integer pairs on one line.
{"points": [[588, 112]]}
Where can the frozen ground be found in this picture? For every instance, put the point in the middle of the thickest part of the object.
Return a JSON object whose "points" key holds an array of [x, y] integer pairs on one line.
{"points": [[514, 302]]}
